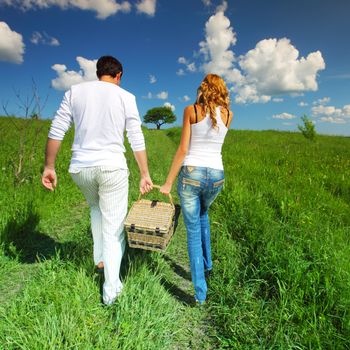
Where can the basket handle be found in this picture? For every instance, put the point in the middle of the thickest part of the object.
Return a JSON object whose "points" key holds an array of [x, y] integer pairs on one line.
{"points": [[158, 187]]}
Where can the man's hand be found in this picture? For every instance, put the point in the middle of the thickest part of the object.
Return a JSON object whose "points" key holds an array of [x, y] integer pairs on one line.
{"points": [[146, 184], [49, 179]]}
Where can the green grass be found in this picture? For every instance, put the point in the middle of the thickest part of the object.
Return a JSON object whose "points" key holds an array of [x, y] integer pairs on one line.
{"points": [[280, 241]]}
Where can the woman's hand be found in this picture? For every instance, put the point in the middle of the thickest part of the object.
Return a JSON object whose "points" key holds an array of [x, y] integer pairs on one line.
{"points": [[165, 189]]}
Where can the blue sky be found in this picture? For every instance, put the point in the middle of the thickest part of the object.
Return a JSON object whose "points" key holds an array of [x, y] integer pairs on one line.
{"points": [[281, 59]]}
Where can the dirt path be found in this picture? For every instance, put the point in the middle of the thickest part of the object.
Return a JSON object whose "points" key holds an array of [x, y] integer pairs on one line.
{"points": [[198, 333], [177, 279]]}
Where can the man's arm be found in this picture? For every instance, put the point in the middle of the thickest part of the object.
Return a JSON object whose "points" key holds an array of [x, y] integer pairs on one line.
{"points": [[137, 142], [59, 127], [146, 183], [49, 178]]}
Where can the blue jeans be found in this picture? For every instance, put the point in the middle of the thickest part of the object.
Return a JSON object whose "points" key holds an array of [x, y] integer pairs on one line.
{"points": [[197, 188]]}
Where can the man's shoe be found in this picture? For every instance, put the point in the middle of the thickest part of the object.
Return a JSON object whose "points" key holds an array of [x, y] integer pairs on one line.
{"points": [[99, 270]]}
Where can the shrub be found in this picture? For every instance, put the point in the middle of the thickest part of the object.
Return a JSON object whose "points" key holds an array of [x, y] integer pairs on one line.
{"points": [[308, 129]]}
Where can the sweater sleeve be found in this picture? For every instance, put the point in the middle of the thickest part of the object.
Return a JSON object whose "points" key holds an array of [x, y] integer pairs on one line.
{"points": [[133, 126], [63, 119]]}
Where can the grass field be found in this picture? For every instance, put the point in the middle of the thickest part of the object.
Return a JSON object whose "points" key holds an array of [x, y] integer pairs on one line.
{"points": [[280, 239]]}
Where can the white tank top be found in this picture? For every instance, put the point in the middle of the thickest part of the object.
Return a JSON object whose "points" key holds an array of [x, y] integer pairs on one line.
{"points": [[206, 143]]}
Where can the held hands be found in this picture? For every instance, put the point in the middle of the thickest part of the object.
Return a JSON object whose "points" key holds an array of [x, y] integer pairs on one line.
{"points": [[146, 184], [49, 179]]}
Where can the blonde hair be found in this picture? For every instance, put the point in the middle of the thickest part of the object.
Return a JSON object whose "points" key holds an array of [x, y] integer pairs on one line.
{"points": [[213, 93]]}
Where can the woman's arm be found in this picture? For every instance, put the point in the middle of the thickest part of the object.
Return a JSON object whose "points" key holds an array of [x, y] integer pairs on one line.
{"points": [[230, 119], [180, 153]]}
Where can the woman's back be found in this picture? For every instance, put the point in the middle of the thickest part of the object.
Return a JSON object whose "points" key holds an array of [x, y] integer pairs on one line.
{"points": [[206, 141]]}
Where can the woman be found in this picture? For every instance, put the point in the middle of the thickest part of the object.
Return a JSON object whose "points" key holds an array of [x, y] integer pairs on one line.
{"points": [[201, 178]]}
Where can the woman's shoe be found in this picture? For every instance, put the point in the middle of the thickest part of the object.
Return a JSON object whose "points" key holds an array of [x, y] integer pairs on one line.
{"points": [[208, 274], [200, 303]]}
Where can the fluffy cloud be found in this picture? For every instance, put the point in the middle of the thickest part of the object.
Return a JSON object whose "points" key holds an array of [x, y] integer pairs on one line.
{"points": [[207, 2], [331, 114], [333, 120], [169, 105], [67, 78], [322, 101], [152, 79], [182, 60], [11, 44], [163, 95], [284, 116], [103, 8], [43, 38], [147, 6], [302, 104], [185, 98], [219, 36], [272, 68], [190, 66], [180, 72], [222, 7], [149, 96], [277, 99]]}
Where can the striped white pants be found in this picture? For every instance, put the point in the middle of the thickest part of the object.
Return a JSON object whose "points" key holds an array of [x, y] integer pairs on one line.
{"points": [[106, 191]]}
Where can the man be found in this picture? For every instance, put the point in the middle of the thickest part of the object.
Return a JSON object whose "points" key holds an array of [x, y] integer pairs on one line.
{"points": [[101, 111]]}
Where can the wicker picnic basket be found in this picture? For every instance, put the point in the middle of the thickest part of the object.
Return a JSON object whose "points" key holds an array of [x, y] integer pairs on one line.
{"points": [[150, 224]]}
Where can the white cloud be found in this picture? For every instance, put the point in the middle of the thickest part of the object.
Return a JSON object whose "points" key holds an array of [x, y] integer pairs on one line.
{"points": [[103, 8], [207, 2], [45, 39], [333, 120], [191, 67], [163, 95], [182, 60], [147, 6], [180, 72], [277, 99], [222, 7], [302, 104], [169, 105], [219, 36], [11, 44], [284, 116], [271, 69], [152, 79], [249, 93], [149, 96], [67, 78], [185, 98], [322, 101], [331, 112]]}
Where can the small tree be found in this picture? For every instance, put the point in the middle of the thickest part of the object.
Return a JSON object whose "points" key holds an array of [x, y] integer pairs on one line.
{"points": [[308, 129], [28, 131], [159, 116]]}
